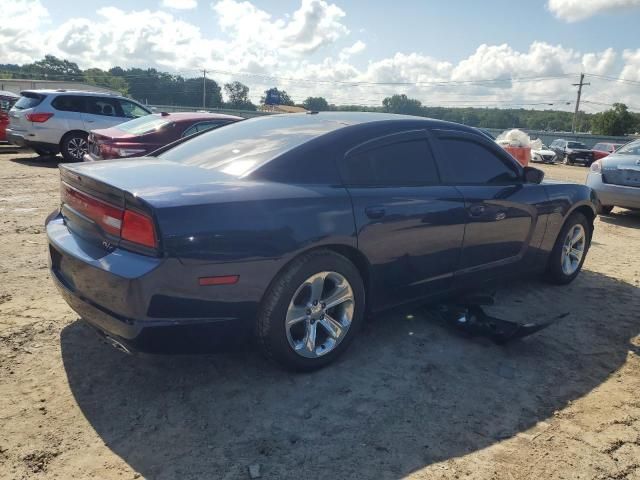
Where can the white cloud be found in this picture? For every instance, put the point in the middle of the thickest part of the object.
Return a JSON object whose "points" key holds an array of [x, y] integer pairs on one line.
{"points": [[575, 10], [180, 4], [310, 51]]}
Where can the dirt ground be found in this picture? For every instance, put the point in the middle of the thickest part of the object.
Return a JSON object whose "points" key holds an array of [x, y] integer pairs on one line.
{"points": [[411, 399]]}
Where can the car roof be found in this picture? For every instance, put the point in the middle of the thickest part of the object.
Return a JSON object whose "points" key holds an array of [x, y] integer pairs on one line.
{"points": [[51, 91]]}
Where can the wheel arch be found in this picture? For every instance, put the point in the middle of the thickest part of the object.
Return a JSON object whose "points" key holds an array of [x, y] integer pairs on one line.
{"points": [[351, 253], [69, 133]]}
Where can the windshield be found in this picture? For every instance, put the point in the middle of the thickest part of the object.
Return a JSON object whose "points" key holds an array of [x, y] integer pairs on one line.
{"points": [[576, 145], [238, 148], [632, 148], [142, 125]]}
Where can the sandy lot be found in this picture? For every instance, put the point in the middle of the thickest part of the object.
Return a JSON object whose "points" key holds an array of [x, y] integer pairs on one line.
{"points": [[411, 399]]}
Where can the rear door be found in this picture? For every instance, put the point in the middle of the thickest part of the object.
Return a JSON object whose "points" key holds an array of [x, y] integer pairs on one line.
{"points": [[102, 112], [409, 226], [501, 210]]}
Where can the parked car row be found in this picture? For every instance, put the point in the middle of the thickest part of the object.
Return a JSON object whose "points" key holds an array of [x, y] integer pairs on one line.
{"points": [[94, 126], [571, 152]]}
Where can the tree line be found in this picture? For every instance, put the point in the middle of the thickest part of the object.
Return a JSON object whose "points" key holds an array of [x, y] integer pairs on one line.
{"points": [[162, 88]]}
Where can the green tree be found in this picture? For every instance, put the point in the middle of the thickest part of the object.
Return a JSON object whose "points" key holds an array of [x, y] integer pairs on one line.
{"points": [[402, 104], [238, 94], [57, 69], [316, 104], [616, 121], [95, 76], [285, 99]]}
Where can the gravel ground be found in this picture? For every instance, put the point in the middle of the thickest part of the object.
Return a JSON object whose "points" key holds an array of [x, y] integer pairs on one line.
{"points": [[411, 398]]}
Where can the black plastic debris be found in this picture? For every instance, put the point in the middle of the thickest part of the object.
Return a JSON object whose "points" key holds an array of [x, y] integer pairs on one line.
{"points": [[467, 315]]}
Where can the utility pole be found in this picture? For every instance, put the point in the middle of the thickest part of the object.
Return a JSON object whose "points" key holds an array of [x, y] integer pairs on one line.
{"points": [[575, 114], [204, 89]]}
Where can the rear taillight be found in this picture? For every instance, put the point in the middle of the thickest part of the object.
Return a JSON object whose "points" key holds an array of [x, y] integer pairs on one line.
{"points": [[129, 225], [596, 167], [39, 117], [138, 228]]}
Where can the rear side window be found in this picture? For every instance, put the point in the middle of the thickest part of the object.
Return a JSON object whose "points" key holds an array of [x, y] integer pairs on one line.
{"points": [[467, 162], [108, 107], [397, 164], [29, 100], [68, 103], [201, 127]]}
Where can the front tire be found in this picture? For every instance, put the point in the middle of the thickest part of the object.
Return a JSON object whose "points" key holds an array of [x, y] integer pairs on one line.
{"points": [[312, 311], [570, 250], [74, 146]]}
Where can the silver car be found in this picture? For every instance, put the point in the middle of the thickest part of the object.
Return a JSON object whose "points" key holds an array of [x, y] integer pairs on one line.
{"points": [[58, 121], [616, 178]]}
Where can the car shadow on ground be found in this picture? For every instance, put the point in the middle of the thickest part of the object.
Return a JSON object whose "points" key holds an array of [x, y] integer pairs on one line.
{"points": [[407, 394], [623, 218], [48, 161]]}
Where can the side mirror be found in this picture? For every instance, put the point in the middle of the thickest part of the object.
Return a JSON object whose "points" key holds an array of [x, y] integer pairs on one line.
{"points": [[533, 175]]}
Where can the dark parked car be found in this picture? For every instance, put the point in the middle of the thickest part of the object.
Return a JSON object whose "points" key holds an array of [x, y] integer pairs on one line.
{"points": [[291, 226], [569, 152], [143, 135], [601, 150]]}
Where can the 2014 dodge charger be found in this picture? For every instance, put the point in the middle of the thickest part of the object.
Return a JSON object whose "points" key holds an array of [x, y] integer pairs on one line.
{"points": [[293, 226]]}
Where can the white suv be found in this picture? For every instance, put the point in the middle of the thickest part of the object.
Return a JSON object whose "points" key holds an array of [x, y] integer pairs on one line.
{"points": [[52, 121]]}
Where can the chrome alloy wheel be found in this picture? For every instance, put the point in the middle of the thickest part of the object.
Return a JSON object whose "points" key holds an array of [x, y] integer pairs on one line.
{"points": [[573, 249], [319, 314], [77, 147]]}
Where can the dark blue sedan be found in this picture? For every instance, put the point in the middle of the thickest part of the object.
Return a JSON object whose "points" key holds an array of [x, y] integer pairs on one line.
{"points": [[294, 226]]}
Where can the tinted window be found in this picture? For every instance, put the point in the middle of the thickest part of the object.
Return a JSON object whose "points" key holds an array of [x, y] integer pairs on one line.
{"points": [[201, 127], [468, 162], [242, 146], [68, 103], [132, 110], [103, 106], [576, 145], [403, 163], [29, 100]]}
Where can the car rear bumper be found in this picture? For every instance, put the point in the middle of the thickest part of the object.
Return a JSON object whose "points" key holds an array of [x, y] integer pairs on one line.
{"points": [[614, 195], [144, 303], [22, 139]]}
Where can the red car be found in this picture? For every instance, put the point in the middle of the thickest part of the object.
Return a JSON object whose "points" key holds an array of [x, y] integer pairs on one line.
{"points": [[601, 150], [7, 99], [146, 134]]}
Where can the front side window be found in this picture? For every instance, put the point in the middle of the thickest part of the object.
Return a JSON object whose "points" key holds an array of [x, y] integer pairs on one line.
{"points": [[132, 110], [201, 127], [397, 164], [467, 162], [68, 103]]}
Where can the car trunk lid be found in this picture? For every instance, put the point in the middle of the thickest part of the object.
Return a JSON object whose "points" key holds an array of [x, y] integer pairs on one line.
{"points": [[621, 170]]}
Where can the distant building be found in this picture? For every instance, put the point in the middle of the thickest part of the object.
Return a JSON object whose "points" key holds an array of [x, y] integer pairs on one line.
{"points": [[16, 85]]}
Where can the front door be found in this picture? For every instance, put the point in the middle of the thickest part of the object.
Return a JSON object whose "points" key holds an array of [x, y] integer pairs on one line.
{"points": [[502, 210], [409, 226]]}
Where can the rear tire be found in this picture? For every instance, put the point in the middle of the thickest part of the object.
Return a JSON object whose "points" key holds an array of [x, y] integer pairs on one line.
{"points": [[73, 146], [564, 266], [291, 311]]}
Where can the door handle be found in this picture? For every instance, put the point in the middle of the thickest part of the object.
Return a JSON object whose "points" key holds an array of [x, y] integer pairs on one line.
{"points": [[477, 210], [375, 212]]}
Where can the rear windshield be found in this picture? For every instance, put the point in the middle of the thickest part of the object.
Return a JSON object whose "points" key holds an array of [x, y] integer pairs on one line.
{"points": [[142, 125], [241, 147], [576, 145], [632, 148], [28, 100]]}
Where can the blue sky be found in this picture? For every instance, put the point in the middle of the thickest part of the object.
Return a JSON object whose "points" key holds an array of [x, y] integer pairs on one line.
{"points": [[406, 42]]}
